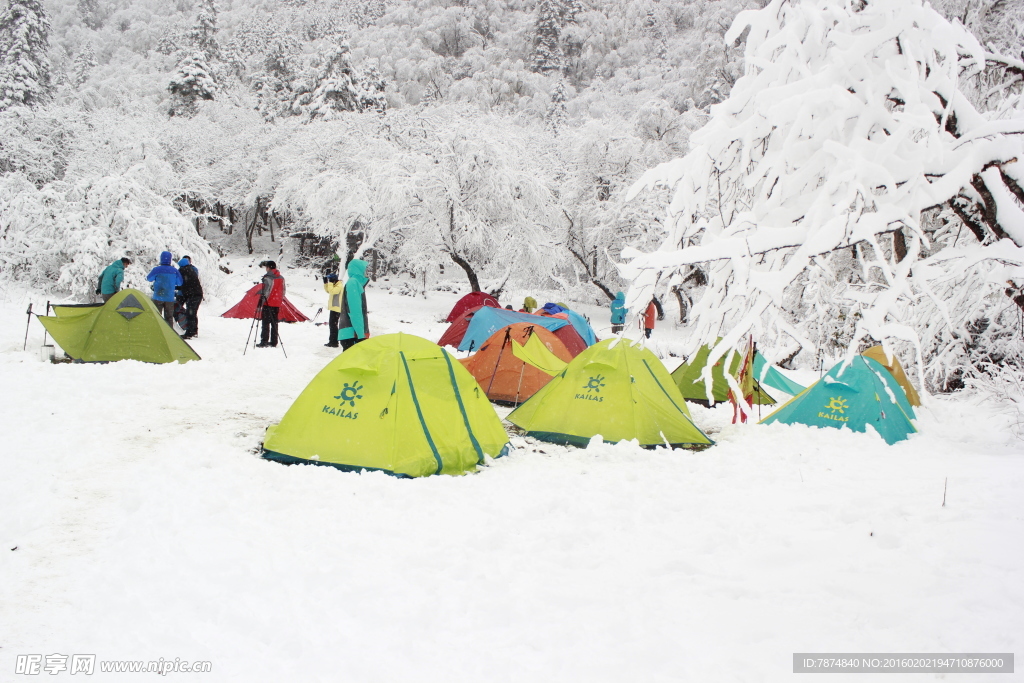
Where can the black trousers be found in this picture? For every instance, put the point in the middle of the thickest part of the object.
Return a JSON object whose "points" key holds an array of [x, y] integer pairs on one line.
{"points": [[332, 325], [191, 308], [268, 328], [347, 344]]}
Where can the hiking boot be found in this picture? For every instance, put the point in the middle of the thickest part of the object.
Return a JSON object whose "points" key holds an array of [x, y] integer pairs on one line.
{"points": [[262, 345], [333, 346]]}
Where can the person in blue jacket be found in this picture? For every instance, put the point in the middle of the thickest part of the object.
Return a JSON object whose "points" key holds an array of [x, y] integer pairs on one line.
{"points": [[618, 312], [110, 280], [353, 326], [165, 279]]}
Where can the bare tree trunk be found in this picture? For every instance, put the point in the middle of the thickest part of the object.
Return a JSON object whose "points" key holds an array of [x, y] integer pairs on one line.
{"points": [[474, 281]]}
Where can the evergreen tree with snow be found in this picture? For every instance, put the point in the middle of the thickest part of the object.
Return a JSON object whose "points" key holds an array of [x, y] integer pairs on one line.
{"points": [[191, 83], [84, 63], [557, 114], [204, 35], [547, 50], [24, 40]]}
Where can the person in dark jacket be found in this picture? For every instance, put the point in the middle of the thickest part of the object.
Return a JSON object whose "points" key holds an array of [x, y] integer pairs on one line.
{"points": [[191, 296], [334, 291], [165, 279], [271, 298], [353, 327], [618, 312], [111, 278]]}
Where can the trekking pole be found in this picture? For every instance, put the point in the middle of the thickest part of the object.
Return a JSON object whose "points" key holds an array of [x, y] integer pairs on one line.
{"points": [[29, 322], [281, 342], [44, 329], [318, 312]]}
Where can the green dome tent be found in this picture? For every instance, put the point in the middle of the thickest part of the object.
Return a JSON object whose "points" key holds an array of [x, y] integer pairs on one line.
{"points": [[615, 389], [395, 403], [691, 386], [852, 394], [127, 327]]}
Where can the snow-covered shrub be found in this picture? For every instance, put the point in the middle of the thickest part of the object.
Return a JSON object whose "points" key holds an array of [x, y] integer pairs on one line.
{"points": [[62, 235]]}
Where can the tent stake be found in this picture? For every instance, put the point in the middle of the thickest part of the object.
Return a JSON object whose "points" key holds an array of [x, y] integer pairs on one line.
{"points": [[944, 482]]}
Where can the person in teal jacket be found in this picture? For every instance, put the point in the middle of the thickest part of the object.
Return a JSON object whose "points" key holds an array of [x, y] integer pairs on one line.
{"points": [[353, 326], [618, 312], [111, 278]]}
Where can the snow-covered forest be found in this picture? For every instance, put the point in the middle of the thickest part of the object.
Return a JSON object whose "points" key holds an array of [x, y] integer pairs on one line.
{"points": [[824, 174]]}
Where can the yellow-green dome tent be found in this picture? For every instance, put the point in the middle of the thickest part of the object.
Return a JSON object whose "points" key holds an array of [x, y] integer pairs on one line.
{"points": [[395, 403], [687, 378], [616, 389], [127, 327]]}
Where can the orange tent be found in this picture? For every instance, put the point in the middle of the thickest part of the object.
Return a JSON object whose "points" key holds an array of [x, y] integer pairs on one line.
{"points": [[502, 375]]}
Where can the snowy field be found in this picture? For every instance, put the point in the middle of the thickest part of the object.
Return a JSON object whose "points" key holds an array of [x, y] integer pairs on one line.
{"points": [[138, 522]]}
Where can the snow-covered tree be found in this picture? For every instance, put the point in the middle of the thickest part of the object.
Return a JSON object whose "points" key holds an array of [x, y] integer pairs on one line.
{"points": [[849, 130], [547, 49], [316, 87], [91, 13], [24, 40], [204, 34], [84, 63], [557, 114], [191, 83]]}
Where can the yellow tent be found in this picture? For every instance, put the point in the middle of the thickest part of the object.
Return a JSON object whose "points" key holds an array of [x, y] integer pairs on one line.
{"points": [[876, 353]]}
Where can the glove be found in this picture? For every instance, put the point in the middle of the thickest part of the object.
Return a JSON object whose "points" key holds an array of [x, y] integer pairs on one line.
{"points": [[325, 279]]}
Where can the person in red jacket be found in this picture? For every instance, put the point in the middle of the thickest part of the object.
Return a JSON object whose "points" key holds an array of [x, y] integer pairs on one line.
{"points": [[270, 301], [649, 316]]}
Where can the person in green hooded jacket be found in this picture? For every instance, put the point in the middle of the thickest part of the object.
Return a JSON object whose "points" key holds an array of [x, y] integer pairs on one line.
{"points": [[110, 280], [618, 312], [353, 326]]}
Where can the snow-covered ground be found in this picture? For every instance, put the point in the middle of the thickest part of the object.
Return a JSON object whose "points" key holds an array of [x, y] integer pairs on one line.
{"points": [[137, 522]]}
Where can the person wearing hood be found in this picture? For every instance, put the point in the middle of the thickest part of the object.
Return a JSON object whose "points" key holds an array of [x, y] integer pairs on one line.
{"points": [[334, 290], [111, 278], [529, 305], [353, 325], [191, 296], [650, 315], [271, 298], [618, 312], [165, 279]]}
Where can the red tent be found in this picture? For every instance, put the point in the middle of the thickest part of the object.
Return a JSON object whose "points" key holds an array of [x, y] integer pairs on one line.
{"points": [[572, 340], [457, 330], [471, 300], [246, 308]]}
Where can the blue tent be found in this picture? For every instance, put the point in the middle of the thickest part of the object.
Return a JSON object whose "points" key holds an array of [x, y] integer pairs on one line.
{"points": [[581, 325], [769, 376], [488, 320], [854, 394]]}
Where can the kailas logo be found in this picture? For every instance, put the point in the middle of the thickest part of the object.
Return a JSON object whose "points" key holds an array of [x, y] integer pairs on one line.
{"points": [[350, 393], [348, 396], [595, 384], [838, 406]]}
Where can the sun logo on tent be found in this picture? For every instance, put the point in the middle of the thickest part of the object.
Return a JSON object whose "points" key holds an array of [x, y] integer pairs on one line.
{"points": [[837, 405], [594, 384], [350, 393]]}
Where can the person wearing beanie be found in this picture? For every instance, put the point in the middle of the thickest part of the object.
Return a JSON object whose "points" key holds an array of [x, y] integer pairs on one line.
{"points": [[271, 297], [191, 296], [334, 290], [111, 278], [165, 279]]}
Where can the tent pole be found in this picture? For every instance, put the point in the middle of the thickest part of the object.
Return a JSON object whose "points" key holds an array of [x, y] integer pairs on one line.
{"points": [[522, 370], [497, 363], [44, 329]]}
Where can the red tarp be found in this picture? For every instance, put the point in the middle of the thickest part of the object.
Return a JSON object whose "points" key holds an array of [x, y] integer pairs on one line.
{"points": [[457, 330], [471, 300], [246, 308]]}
